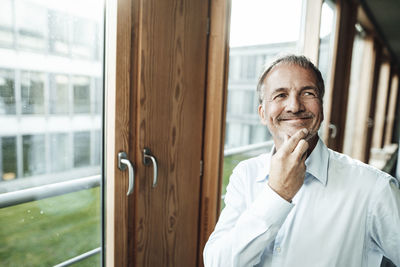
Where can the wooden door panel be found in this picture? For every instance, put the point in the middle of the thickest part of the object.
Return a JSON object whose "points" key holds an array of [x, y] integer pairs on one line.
{"points": [[170, 91]]}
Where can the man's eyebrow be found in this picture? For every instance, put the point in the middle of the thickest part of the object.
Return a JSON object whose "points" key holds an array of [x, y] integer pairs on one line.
{"points": [[309, 87], [278, 90]]}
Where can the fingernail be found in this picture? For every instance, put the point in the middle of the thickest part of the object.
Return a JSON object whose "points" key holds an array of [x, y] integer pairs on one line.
{"points": [[305, 131]]}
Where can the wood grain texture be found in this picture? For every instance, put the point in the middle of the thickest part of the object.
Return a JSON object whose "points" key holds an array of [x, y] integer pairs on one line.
{"points": [[217, 71], [171, 66], [362, 122], [336, 114], [394, 88], [122, 132], [381, 104], [312, 29]]}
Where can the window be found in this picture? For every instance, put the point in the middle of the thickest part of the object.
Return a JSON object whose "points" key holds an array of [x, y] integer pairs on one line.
{"points": [[59, 94], [81, 149], [98, 96], [33, 149], [81, 87], [253, 42], [32, 92], [8, 157], [6, 23], [59, 152], [7, 92], [59, 32], [31, 25], [51, 128], [327, 36], [84, 38]]}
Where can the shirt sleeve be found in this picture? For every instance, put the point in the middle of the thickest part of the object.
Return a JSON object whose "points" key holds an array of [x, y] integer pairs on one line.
{"points": [[384, 218], [243, 230]]}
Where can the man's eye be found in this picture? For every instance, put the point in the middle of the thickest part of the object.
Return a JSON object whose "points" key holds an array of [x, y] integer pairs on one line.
{"points": [[310, 94], [280, 96]]}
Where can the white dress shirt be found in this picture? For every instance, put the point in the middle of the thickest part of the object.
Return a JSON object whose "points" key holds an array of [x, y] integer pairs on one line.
{"points": [[346, 214]]}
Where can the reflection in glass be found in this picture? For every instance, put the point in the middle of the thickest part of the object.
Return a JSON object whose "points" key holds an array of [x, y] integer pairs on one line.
{"points": [[7, 92]]}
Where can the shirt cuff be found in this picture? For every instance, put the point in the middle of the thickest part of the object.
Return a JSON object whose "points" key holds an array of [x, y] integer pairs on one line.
{"points": [[271, 207]]}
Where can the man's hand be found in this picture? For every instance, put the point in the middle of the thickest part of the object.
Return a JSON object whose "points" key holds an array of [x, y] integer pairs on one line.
{"points": [[288, 167]]}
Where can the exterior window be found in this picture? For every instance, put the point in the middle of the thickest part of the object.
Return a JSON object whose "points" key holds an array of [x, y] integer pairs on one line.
{"points": [[7, 92], [326, 36], [51, 94], [59, 33], [32, 92], [81, 149], [98, 93], [252, 42], [84, 38], [9, 158], [97, 155], [59, 152], [59, 94], [33, 149], [31, 25], [6, 23], [81, 87]]}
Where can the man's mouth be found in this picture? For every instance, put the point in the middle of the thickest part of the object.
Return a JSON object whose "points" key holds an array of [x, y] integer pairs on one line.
{"points": [[297, 118]]}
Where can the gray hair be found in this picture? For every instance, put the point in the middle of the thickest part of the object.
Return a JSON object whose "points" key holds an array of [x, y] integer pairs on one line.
{"points": [[301, 61]]}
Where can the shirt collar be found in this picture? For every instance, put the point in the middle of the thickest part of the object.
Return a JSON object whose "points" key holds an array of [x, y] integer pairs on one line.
{"points": [[316, 163]]}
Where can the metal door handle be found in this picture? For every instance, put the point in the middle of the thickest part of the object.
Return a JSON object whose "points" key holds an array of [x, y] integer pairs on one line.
{"points": [[147, 159], [123, 162]]}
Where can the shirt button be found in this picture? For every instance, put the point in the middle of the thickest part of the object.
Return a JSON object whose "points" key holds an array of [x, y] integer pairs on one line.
{"points": [[278, 249]]}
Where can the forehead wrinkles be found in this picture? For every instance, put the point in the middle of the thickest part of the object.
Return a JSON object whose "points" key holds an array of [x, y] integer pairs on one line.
{"points": [[288, 76]]}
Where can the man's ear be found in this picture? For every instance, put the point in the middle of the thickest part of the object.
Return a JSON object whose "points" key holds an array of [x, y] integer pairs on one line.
{"points": [[261, 114]]}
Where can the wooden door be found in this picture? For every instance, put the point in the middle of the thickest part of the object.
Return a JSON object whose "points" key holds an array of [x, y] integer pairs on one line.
{"points": [[161, 51]]}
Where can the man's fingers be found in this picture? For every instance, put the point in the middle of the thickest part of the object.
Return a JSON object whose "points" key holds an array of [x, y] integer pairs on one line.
{"points": [[301, 149], [291, 144]]}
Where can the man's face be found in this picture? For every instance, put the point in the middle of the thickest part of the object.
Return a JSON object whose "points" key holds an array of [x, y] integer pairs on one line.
{"points": [[291, 102]]}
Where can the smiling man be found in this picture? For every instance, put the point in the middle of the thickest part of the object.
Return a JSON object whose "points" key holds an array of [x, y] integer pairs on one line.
{"points": [[303, 204]]}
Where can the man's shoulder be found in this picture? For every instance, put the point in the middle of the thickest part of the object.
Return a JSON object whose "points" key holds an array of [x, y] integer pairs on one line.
{"points": [[354, 168]]}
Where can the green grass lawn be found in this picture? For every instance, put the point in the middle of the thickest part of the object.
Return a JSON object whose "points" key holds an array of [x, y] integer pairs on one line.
{"points": [[50, 231]]}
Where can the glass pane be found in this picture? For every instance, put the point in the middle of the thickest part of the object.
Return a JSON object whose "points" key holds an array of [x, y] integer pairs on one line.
{"points": [[81, 149], [7, 92], [32, 92], [59, 94], [51, 131], [6, 23], [33, 151], [59, 152], [327, 36], [254, 42], [84, 38], [31, 21], [81, 87], [9, 158]]}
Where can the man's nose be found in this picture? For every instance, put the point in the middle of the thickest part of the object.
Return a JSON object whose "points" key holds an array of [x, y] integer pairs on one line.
{"points": [[294, 104]]}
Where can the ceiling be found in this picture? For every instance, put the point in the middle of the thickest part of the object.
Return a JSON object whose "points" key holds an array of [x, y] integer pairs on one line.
{"points": [[385, 15]]}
